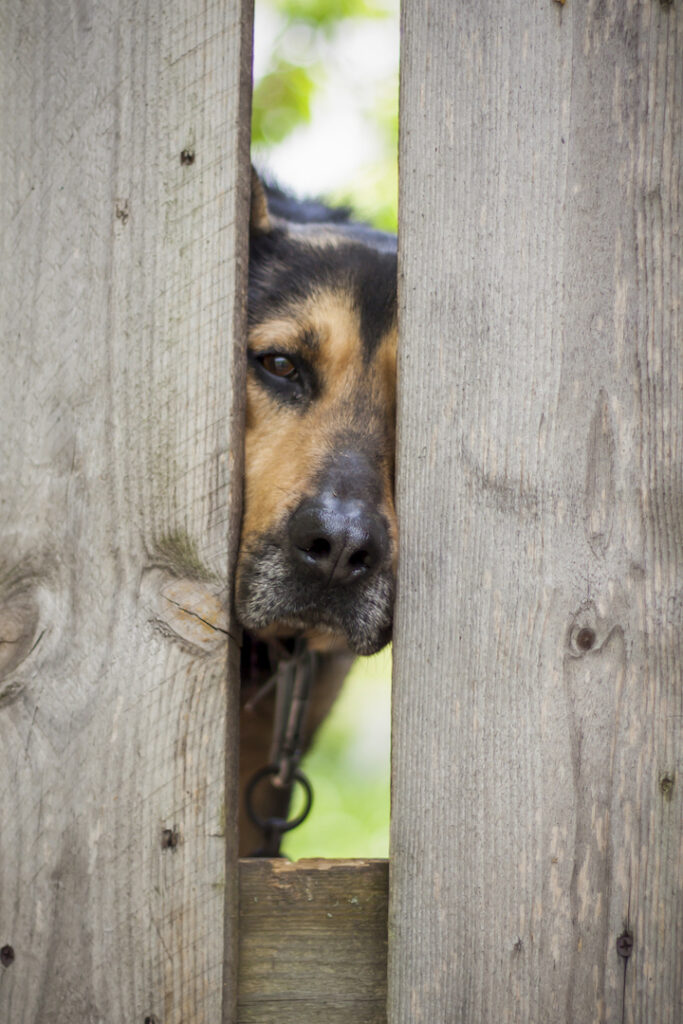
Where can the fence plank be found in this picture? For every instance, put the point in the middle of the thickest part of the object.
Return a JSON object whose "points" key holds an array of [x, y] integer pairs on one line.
{"points": [[124, 170], [313, 942], [538, 691]]}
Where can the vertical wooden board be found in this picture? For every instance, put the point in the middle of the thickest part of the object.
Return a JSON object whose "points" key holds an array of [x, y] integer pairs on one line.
{"points": [[538, 698], [124, 189]]}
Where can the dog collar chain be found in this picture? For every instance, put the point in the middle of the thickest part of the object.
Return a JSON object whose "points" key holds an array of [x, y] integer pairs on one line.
{"points": [[292, 680]]}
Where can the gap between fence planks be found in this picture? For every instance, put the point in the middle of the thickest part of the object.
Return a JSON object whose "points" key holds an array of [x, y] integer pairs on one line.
{"points": [[313, 942]]}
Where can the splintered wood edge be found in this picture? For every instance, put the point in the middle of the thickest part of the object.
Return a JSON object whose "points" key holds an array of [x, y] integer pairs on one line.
{"points": [[313, 941]]}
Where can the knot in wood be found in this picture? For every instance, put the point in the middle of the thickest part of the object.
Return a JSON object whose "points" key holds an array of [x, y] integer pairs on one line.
{"points": [[585, 638]]}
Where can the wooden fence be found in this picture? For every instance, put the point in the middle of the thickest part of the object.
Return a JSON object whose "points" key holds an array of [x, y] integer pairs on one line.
{"points": [[536, 869]]}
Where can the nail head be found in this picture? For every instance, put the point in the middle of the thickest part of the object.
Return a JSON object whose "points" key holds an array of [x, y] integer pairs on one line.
{"points": [[666, 784], [625, 945], [170, 837]]}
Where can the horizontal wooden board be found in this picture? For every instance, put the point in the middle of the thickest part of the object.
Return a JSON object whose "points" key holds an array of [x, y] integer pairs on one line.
{"points": [[313, 942]]}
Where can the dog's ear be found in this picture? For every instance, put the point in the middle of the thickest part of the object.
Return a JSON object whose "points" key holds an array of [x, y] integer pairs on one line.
{"points": [[259, 223]]}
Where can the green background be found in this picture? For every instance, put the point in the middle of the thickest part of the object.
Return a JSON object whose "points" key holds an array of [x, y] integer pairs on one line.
{"points": [[306, 55]]}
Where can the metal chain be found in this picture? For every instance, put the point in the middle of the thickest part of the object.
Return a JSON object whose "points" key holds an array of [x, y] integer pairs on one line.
{"points": [[292, 679]]}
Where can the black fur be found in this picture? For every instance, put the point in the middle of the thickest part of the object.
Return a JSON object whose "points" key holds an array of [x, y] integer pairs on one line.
{"points": [[303, 211], [283, 268]]}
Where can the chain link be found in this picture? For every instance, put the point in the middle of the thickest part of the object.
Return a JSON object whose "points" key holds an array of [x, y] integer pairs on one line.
{"points": [[293, 679]]}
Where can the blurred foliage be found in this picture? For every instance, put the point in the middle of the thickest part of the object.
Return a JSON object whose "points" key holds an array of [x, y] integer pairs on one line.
{"points": [[373, 192], [303, 57], [327, 14], [282, 100], [349, 769]]}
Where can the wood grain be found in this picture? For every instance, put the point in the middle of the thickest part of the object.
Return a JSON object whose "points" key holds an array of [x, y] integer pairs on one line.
{"points": [[313, 942], [538, 697], [124, 204]]}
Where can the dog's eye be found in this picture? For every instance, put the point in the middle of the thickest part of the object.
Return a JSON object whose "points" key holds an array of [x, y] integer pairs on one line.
{"points": [[279, 366]]}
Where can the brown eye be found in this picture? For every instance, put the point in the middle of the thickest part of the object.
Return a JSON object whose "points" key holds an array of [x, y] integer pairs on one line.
{"points": [[279, 366]]}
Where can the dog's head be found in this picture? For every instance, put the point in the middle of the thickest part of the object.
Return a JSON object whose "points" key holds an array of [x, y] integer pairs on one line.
{"points": [[318, 546]]}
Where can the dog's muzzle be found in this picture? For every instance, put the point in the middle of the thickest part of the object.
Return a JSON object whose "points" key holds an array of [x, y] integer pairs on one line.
{"points": [[327, 567], [337, 541]]}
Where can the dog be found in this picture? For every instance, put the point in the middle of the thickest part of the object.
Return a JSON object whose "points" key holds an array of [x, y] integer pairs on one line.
{"points": [[318, 546]]}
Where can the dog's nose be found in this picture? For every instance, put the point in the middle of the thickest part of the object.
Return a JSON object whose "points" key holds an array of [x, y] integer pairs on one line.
{"points": [[337, 539]]}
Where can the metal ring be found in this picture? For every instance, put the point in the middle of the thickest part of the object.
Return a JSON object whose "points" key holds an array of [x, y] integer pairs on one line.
{"points": [[277, 824]]}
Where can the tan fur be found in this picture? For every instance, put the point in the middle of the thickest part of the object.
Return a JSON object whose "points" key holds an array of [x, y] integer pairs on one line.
{"points": [[278, 474], [260, 218], [316, 236]]}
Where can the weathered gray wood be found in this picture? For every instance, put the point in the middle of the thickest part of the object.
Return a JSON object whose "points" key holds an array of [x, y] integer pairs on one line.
{"points": [[120, 383], [537, 774], [313, 942]]}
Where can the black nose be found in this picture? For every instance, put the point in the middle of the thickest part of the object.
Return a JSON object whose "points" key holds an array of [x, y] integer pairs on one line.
{"points": [[337, 540]]}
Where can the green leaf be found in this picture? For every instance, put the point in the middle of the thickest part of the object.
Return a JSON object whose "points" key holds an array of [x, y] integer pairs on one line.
{"points": [[327, 13], [282, 101]]}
